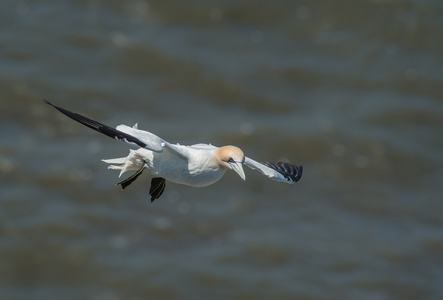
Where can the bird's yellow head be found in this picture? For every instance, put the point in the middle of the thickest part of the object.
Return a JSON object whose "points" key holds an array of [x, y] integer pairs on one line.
{"points": [[232, 157]]}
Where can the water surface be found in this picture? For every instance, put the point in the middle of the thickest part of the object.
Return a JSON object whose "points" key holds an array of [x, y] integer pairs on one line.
{"points": [[352, 90]]}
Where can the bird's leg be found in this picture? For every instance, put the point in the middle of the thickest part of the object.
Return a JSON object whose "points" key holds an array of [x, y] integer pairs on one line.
{"points": [[124, 183]]}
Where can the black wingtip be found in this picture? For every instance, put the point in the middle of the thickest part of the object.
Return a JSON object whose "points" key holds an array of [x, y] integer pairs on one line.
{"points": [[291, 172], [97, 126], [300, 173], [47, 102]]}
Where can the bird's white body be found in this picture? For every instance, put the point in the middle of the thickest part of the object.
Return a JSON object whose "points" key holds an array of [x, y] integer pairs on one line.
{"points": [[197, 165], [198, 168]]}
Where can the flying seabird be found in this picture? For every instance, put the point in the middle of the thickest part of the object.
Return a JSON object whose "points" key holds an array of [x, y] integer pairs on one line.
{"points": [[197, 165]]}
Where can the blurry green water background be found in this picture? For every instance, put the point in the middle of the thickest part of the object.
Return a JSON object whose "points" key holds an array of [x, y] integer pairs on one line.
{"points": [[351, 90]]}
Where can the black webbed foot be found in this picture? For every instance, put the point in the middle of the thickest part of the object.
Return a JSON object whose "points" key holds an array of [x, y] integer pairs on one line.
{"points": [[157, 188], [124, 183]]}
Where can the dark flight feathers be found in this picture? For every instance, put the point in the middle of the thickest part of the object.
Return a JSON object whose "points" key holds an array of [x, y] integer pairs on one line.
{"points": [[289, 171], [97, 126]]}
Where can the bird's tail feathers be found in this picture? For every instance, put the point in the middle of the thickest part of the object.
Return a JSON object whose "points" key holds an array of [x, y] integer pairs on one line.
{"points": [[120, 160]]}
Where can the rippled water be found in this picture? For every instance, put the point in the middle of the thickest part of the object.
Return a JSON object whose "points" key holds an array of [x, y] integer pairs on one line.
{"points": [[352, 90]]}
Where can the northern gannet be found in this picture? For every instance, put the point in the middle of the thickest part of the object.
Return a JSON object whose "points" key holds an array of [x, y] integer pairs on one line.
{"points": [[197, 165]]}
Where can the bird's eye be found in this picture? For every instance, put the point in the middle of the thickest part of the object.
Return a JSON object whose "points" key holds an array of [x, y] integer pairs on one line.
{"points": [[231, 160]]}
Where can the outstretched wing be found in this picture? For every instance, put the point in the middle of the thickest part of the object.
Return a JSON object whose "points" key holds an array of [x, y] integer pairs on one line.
{"points": [[123, 133], [280, 171]]}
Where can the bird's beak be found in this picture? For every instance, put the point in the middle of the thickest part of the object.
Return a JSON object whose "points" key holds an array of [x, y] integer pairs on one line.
{"points": [[238, 168]]}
